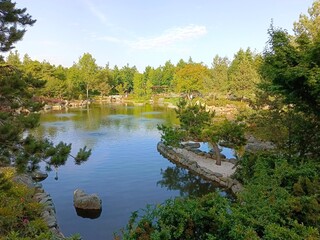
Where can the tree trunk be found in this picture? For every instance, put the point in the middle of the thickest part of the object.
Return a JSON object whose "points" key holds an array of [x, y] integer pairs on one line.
{"points": [[217, 153], [87, 91]]}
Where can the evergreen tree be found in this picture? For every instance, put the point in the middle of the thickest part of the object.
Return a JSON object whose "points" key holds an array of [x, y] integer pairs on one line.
{"points": [[12, 24], [219, 75], [18, 106], [243, 75]]}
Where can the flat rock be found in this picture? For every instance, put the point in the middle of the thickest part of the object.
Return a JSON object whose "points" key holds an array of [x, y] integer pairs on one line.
{"points": [[191, 144]]}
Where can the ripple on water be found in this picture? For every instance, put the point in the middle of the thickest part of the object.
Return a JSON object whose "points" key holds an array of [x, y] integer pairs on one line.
{"points": [[119, 117], [97, 134], [56, 124], [151, 120], [151, 113], [65, 115]]}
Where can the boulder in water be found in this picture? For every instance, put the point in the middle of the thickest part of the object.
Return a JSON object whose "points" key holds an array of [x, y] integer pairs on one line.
{"points": [[81, 200]]}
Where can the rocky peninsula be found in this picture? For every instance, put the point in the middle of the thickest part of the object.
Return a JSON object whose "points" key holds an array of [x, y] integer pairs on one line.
{"points": [[203, 165]]}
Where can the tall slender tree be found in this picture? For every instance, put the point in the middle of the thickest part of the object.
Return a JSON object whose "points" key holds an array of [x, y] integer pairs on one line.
{"points": [[87, 72]]}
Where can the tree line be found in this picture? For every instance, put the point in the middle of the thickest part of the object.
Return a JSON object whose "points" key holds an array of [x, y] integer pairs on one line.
{"points": [[85, 79]]}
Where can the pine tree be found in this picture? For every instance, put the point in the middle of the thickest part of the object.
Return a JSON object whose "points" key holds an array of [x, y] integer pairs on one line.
{"points": [[18, 109], [12, 24]]}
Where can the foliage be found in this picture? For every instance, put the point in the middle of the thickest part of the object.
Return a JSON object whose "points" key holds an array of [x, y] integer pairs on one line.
{"points": [[309, 25], [18, 106], [232, 134], [280, 199], [20, 215], [196, 124], [170, 136], [88, 69], [193, 118], [190, 79], [18, 212], [278, 202], [292, 68], [243, 75], [219, 81], [12, 24], [180, 219]]}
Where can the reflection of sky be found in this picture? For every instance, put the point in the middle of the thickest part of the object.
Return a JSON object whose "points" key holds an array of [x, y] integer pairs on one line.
{"points": [[228, 152]]}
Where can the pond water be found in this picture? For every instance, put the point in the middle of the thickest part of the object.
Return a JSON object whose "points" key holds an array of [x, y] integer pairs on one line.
{"points": [[125, 168]]}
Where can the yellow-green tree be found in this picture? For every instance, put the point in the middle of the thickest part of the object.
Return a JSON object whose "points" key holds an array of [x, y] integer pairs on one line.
{"points": [[309, 24], [87, 72], [191, 78]]}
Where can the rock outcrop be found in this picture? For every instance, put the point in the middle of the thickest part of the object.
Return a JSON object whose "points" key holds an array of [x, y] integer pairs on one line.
{"points": [[49, 211]]}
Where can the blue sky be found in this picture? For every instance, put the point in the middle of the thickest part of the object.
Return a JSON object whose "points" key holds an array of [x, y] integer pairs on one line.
{"points": [[150, 32]]}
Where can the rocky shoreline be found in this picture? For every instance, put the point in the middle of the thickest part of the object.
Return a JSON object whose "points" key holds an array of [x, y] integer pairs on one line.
{"points": [[203, 165], [41, 196]]}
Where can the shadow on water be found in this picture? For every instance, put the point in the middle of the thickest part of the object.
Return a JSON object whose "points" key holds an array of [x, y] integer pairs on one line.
{"points": [[187, 183], [85, 213]]}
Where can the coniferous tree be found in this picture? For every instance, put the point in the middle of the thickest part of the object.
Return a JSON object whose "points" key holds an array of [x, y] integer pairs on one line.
{"points": [[18, 110], [12, 24]]}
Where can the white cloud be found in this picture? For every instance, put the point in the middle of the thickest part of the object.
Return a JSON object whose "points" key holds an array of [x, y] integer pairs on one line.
{"points": [[170, 37], [96, 12]]}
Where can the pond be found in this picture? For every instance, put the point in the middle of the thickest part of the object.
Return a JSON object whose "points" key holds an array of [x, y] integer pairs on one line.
{"points": [[125, 169]]}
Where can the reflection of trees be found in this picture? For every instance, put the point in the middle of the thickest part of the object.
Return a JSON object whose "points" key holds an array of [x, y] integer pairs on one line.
{"points": [[177, 178], [89, 124]]}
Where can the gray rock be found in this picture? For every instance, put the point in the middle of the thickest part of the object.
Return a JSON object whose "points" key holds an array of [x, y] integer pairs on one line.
{"points": [[217, 174], [50, 220], [45, 199], [255, 145], [202, 153], [191, 145], [236, 188], [39, 176], [24, 179], [38, 186], [39, 196], [85, 201], [197, 151]]}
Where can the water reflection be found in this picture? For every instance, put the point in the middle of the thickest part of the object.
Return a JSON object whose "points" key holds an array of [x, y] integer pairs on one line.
{"points": [[116, 115], [85, 213], [178, 178], [124, 168]]}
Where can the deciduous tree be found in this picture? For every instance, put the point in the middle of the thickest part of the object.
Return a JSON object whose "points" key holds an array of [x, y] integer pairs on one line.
{"points": [[87, 72], [191, 78]]}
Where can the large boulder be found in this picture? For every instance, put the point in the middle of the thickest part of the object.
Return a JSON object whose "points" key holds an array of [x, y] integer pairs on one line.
{"points": [[82, 200]]}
